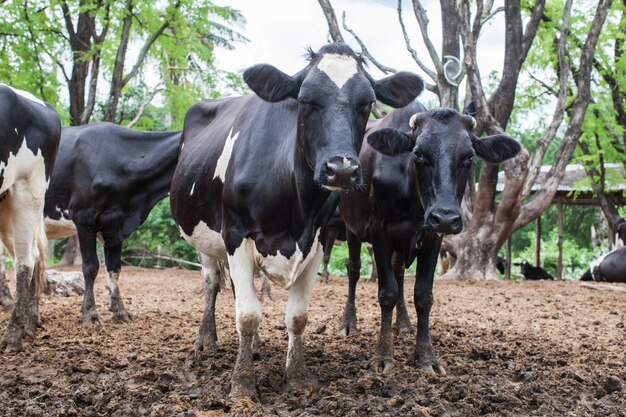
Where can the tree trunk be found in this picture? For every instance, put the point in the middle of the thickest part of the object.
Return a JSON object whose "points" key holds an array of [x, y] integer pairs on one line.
{"points": [[71, 255]]}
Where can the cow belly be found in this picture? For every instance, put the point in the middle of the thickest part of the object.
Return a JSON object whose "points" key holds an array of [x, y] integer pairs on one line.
{"points": [[25, 165], [57, 229], [207, 241], [285, 271]]}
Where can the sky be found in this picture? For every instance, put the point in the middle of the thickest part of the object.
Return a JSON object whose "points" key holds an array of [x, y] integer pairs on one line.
{"points": [[280, 30]]}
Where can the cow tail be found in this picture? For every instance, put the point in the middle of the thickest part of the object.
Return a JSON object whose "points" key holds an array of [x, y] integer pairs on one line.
{"points": [[224, 275], [39, 274]]}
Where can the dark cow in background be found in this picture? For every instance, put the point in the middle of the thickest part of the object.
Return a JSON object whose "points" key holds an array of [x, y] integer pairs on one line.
{"points": [[533, 272], [335, 230], [29, 139], [106, 180], [609, 268], [253, 186], [412, 197]]}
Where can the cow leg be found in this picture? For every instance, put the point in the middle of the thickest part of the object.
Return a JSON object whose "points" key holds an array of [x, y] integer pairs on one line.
{"points": [[424, 356], [207, 334], [348, 322], [6, 301], [296, 318], [403, 321], [373, 271], [22, 213], [248, 319], [113, 264], [331, 236], [87, 243], [266, 289], [387, 298]]}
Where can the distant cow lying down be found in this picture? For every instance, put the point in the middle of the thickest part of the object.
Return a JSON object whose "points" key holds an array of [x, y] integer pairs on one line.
{"points": [[610, 267], [533, 272]]}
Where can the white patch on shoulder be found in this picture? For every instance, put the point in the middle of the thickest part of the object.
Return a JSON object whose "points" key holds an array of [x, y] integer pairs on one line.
{"points": [[57, 229], [339, 68], [224, 159], [597, 262], [207, 241], [25, 165], [285, 271], [25, 94], [192, 188]]}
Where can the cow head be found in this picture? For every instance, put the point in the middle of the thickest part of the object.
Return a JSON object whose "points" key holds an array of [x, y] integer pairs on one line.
{"points": [[443, 148], [620, 233], [335, 95]]}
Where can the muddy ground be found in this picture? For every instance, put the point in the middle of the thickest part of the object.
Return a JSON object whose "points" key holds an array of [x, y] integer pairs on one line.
{"points": [[509, 349]]}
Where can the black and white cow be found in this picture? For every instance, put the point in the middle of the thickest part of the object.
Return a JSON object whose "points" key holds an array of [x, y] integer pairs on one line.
{"points": [[533, 273], [254, 180], [412, 197], [106, 180], [29, 138], [609, 268]]}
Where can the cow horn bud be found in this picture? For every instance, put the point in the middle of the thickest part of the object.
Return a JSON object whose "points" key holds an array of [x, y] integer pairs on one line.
{"points": [[413, 121]]}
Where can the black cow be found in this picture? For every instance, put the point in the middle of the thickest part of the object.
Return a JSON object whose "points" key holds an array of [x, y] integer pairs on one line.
{"points": [[500, 264], [415, 183], [533, 272], [29, 139], [335, 230], [254, 180], [106, 180], [610, 267]]}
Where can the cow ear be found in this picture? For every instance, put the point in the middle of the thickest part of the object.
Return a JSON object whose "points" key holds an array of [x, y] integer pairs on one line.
{"points": [[399, 89], [391, 141], [270, 83], [495, 149]]}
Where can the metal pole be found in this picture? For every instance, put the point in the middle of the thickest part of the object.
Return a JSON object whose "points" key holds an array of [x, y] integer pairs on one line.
{"points": [[559, 241], [538, 241]]}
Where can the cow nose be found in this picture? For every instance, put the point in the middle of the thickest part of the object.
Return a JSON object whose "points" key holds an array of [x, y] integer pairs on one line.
{"points": [[341, 172], [446, 221]]}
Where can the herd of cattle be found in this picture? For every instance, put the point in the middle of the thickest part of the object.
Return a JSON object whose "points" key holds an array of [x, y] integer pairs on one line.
{"points": [[253, 181]]}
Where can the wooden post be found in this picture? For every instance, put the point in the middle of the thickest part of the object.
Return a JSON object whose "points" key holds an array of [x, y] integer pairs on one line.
{"points": [[559, 241], [538, 241], [507, 266]]}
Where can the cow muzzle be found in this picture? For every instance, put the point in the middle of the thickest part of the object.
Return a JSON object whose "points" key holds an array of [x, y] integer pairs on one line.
{"points": [[445, 221], [340, 173]]}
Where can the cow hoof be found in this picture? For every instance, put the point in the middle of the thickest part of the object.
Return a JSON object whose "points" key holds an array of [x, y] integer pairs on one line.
{"points": [[242, 392], [7, 305], [204, 344], [348, 329], [404, 327], [384, 364], [307, 384], [11, 342], [91, 320], [426, 360], [122, 317]]}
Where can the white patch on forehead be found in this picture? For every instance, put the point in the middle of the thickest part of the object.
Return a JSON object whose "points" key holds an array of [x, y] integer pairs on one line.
{"points": [[285, 271], [224, 159], [25, 94], [339, 68], [207, 241], [192, 188]]}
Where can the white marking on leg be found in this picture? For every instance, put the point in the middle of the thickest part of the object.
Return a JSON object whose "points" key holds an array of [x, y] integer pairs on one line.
{"points": [[25, 94], [192, 188], [339, 68], [25, 165], [224, 159], [300, 293], [112, 280], [247, 305]]}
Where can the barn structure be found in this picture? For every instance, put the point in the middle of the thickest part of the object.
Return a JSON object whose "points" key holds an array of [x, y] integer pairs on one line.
{"points": [[574, 189]]}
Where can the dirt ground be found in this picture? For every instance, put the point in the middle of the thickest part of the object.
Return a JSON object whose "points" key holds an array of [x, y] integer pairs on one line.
{"points": [[509, 349]]}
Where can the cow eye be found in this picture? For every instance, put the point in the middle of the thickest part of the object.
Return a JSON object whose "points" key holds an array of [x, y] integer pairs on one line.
{"points": [[367, 107], [467, 162], [419, 158]]}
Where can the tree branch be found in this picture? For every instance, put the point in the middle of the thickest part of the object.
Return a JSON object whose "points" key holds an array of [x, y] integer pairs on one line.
{"points": [[331, 18], [385, 69], [413, 52], [143, 106], [422, 20]]}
